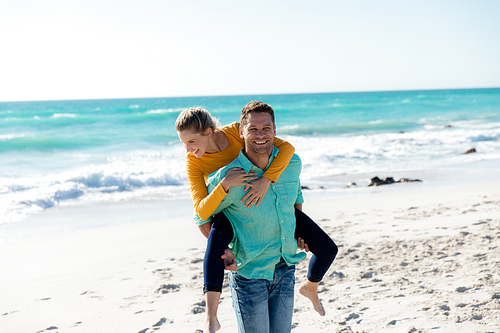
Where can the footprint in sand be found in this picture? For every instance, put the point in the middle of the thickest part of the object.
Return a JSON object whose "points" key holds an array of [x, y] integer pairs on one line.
{"points": [[51, 328], [88, 292], [461, 289], [168, 288], [9, 313], [199, 307], [158, 324], [197, 260]]}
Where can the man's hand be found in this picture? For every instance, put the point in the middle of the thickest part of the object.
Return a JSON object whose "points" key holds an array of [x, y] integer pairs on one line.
{"points": [[229, 260], [301, 245]]}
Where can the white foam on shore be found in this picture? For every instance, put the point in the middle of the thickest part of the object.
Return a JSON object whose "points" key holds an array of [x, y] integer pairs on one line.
{"points": [[139, 175], [150, 205]]}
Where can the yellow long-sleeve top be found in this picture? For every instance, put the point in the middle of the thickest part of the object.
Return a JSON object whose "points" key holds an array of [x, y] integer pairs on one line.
{"points": [[198, 169]]}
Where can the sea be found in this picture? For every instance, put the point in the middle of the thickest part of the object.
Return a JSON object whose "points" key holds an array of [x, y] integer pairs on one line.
{"points": [[68, 165]]}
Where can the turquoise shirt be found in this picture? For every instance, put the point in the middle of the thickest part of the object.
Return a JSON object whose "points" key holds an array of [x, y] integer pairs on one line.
{"points": [[264, 234]]}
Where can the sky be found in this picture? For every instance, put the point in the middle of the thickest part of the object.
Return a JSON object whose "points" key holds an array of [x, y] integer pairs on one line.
{"points": [[68, 49]]}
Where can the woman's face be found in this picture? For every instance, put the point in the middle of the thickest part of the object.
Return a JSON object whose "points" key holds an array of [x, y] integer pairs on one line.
{"points": [[195, 143]]}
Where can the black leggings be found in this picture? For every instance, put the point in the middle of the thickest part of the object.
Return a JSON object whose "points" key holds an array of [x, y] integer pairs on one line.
{"points": [[320, 244]]}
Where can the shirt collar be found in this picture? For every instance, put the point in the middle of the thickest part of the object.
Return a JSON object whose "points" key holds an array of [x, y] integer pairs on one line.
{"points": [[247, 165]]}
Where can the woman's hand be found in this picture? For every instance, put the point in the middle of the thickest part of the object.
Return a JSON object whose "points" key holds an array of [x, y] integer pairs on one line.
{"points": [[256, 193], [237, 177]]}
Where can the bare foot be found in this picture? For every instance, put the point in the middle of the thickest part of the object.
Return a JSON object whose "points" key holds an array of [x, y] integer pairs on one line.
{"points": [[211, 325], [310, 290]]}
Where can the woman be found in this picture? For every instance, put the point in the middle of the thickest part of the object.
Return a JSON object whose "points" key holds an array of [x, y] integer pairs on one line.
{"points": [[208, 149]]}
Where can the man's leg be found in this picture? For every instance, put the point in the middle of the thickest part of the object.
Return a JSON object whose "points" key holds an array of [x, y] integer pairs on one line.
{"points": [[281, 299], [250, 303]]}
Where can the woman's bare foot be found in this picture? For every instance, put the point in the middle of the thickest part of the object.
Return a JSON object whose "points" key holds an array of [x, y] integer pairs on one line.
{"points": [[310, 290], [211, 322], [211, 325]]}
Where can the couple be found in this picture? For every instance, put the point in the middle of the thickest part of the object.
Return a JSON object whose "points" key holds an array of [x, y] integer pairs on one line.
{"points": [[253, 201]]}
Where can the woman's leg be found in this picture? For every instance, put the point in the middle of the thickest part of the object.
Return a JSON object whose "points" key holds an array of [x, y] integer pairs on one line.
{"points": [[219, 238], [324, 252]]}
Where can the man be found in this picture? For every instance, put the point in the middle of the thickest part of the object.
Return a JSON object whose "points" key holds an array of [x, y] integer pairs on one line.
{"points": [[264, 244]]}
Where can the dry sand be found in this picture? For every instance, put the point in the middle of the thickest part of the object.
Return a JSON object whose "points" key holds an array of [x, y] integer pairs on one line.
{"points": [[411, 260]]}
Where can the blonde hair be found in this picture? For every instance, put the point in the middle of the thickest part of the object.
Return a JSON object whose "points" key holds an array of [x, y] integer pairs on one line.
{"points": [[196, 119]]}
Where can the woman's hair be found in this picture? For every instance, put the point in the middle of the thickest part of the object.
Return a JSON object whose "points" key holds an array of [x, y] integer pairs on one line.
{"points": [[195, 119]]}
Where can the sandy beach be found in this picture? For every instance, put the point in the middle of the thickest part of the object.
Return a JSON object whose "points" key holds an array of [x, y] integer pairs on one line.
{"points": [[410, 260]]}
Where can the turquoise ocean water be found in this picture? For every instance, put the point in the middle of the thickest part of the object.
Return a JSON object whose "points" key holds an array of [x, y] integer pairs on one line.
{"points": [[64, 153]]}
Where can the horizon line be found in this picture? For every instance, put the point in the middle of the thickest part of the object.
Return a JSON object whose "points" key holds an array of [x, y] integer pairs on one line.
{"points": [[241, 95]]}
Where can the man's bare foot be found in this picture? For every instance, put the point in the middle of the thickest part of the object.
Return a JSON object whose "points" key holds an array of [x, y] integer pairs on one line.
{"points": [[310, 290], [211, 325]]}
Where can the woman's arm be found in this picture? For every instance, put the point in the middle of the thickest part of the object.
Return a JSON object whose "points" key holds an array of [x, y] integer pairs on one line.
{"points": [[204, 203], [286, 151]]}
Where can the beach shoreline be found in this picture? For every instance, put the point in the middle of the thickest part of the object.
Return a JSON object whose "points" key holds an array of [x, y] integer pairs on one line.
{"points": [[423, 258], [71, 217]]}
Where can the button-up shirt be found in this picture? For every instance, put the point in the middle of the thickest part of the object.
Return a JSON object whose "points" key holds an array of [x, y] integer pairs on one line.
{"points": [[265, 234]]}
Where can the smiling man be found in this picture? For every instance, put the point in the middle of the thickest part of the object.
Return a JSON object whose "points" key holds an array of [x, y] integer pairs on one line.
{"points": [[264, 244]]}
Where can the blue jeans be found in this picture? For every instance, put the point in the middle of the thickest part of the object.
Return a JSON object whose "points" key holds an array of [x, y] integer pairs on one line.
{"points": [[263, 306]]}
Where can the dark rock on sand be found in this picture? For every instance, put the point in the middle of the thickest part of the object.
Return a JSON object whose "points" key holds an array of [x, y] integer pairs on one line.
{"points": [[472, 150], [406, 180], [375, 181]]}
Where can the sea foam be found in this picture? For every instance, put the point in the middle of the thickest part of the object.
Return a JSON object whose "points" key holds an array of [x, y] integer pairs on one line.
{"points": [[123, 177]]}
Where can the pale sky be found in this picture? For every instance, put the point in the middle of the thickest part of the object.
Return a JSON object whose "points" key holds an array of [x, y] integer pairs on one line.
{"points": [[91, 49]]}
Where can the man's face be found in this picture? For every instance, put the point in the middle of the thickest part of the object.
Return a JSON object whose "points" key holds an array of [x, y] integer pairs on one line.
{"points": [[258, 133]]}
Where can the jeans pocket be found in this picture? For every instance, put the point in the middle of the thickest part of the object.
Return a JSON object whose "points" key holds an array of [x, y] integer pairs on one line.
{"points": [[287, 288], [251, 297]]}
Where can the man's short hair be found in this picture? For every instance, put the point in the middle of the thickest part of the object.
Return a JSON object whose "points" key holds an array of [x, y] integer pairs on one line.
{"points": [[255, 106]]}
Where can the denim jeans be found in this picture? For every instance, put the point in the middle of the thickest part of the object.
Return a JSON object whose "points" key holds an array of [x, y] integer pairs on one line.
{"points": [[263, 306]]}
